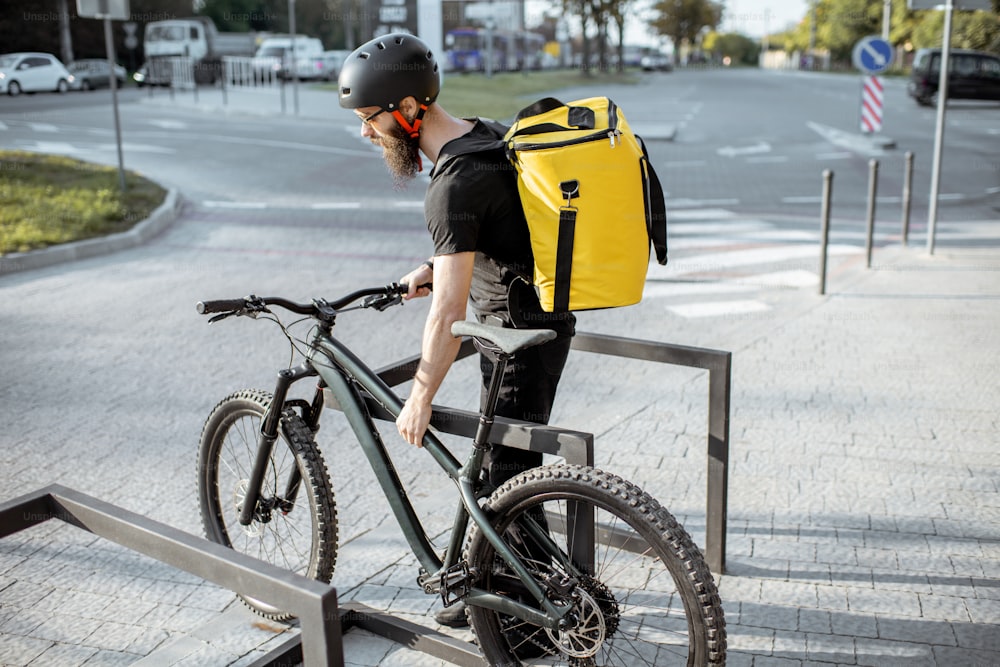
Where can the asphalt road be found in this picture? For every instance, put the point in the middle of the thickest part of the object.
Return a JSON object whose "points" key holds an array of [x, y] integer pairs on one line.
{"points": [[754, 140]]}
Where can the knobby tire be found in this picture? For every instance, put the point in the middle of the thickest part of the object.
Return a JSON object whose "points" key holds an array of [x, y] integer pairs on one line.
{"points": [[302, 538], [660, 608]]}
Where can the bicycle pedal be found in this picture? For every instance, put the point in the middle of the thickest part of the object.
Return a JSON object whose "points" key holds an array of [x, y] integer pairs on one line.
{"points": [[456, 583]]}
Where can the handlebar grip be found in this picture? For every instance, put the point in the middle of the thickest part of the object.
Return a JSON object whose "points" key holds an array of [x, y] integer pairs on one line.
{"points": [[220, 306]]}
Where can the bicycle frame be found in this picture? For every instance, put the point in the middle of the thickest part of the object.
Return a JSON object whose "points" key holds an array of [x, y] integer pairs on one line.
{"points": [[346, 376]]}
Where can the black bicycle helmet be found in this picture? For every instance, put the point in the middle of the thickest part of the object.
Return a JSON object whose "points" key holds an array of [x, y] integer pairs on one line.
{"points": [[387, 69]]}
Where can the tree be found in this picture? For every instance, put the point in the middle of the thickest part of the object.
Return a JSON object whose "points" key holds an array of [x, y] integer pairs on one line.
{"points": [[841, 23], [682, 20], [617, 11], [740, 49], [970, 30]]}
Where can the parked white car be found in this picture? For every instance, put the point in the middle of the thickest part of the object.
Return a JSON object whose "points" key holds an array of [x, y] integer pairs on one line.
{"points": [[33, 72], [275, 53]]}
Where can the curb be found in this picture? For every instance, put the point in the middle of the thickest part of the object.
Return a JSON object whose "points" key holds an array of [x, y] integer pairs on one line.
{"points": [[158, 221]]}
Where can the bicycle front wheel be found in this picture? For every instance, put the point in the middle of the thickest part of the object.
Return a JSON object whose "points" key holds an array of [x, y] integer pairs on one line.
{"points": [[643, 593], [295, 524]]}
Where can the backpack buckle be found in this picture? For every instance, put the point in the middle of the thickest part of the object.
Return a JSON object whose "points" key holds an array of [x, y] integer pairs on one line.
{"points": [[570, 190]]}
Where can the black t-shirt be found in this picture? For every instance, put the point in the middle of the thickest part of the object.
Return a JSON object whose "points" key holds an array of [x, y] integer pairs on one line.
{"points": [[472, 205]]}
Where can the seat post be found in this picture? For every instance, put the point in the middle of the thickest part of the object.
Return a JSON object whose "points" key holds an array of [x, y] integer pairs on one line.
{"points": [[481, 441]]}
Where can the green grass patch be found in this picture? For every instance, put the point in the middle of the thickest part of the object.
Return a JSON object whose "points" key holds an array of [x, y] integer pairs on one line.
{"points": [[506, 93], [47, 199]]}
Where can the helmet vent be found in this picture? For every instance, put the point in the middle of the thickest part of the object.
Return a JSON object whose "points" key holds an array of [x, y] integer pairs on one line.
{"points": [[364, 56], [381, 46]]}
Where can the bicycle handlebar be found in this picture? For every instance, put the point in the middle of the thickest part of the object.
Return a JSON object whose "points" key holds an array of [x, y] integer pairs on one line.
{"points": [[390, 294]]}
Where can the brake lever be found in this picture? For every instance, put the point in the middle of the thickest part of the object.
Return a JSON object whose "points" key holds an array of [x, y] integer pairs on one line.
{"points": [[381, 302], [222, 316]]}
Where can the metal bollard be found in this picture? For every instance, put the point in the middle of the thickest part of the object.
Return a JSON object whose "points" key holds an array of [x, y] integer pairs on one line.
{"points": [[907, 195], [824, 228], [872, 192]]}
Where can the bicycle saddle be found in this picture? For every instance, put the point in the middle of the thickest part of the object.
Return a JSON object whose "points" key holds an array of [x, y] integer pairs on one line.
{"points": [[507, 340]]}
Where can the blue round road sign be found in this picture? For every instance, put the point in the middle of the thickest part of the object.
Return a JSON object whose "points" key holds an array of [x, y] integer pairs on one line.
{"points": [[872, 55]]}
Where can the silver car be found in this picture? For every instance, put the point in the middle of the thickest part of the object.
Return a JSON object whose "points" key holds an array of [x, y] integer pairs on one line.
{"points": [[33, 72], [94, 73]]}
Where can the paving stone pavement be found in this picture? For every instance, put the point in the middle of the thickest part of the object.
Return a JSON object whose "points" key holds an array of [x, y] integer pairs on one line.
{"points": [[864, 515]]}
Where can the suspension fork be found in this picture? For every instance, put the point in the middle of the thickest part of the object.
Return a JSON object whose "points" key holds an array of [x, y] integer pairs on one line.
{"points": [[311, 415], [268, 436]]}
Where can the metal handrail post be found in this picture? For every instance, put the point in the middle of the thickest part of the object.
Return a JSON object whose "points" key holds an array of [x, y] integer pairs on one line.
{"points": [[824, 228], [907, 195], [872, 193]]}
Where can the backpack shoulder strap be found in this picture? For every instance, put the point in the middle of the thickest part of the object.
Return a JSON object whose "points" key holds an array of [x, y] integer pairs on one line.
{"points": [[475, 143]]}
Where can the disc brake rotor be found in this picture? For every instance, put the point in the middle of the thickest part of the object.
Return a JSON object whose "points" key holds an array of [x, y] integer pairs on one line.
{"points": [[586, 638]]}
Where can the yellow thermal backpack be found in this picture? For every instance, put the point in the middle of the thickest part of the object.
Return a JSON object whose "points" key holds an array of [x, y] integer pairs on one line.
{"points": [[592, 201]]}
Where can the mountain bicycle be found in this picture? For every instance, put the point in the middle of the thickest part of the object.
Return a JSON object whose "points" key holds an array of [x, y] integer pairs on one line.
{"points": [[561, 565]]}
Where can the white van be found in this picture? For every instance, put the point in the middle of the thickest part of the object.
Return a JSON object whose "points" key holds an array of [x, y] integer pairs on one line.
{"points": [[276, 53]]}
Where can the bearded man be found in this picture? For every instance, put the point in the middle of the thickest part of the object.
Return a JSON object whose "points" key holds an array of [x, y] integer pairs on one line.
{"points": [[482, 251]]}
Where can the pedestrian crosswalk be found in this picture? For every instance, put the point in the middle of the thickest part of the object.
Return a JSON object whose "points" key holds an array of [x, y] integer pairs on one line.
{"points": [[722, 262]]}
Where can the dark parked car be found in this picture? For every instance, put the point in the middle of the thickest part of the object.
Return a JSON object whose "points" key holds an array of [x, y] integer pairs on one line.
{"points": [[972, 75], [94, 73]]}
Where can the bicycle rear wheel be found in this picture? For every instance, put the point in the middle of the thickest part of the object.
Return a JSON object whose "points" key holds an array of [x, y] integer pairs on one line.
{"points": [[643, 595], [300, 535]]}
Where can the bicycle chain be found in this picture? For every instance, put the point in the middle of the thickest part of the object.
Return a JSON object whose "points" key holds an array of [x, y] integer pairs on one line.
{"points": [[509, 621]]}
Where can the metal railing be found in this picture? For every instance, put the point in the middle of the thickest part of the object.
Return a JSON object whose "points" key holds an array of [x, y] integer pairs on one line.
{"points": [[244, 72], [576, 447], [313, 602]]}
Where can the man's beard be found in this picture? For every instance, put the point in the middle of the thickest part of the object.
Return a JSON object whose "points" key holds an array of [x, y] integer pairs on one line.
{"points": [[401, 154]]}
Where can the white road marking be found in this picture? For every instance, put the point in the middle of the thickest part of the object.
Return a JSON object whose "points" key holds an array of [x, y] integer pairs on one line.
{"points": [[733, 151], [719, 227], [43, 127], [167, 124], [234, 204], [790, 235], [3, 126], [718, 308], [684, 164], [794, 278], [701, 214], [720, 261], [852, 142], [337, 205], [658, 289], [57, 147], [697, 203]]}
